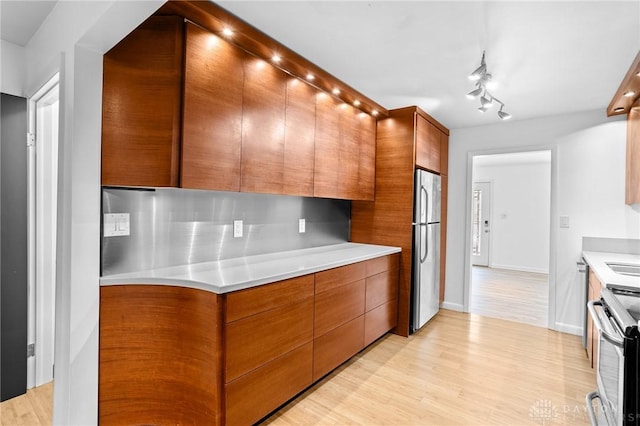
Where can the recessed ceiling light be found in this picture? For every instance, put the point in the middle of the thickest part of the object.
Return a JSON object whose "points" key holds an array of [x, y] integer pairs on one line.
{"points": [[356, 102], [619, 109], [336, 91], [374, 112], [228, 32], [276, 58], [629, 93], [638, 75], [310, 77]]}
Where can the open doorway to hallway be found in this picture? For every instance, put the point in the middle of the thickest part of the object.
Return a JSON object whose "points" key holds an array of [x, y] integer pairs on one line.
{"points": [[510, 227]]}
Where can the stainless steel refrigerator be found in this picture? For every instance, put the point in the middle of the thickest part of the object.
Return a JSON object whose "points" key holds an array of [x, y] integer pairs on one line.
{"points": [[425, 288]]}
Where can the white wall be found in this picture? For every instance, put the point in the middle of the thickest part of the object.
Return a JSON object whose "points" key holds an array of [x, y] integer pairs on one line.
{"points": [[587, 184], [72, 40], [12, 68], [520, 214]]}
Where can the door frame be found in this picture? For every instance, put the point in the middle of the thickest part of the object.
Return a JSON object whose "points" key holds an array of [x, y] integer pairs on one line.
{"points": [[39, 313], [553, 225], [490, 182]]}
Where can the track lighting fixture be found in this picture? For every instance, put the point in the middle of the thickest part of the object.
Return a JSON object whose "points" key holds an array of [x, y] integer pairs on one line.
{"points": [[482, 78]]}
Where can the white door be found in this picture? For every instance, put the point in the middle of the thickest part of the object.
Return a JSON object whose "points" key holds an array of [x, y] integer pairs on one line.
{"points": [[480, 223], [43, 197]]}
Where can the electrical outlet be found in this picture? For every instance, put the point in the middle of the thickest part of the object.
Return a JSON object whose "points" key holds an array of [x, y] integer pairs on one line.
{"points": [[116, 225], [302, 226], [237, 229], [564, 221]]}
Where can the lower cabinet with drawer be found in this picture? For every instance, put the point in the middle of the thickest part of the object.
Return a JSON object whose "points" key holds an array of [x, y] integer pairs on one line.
{"points": [[179, 355]]}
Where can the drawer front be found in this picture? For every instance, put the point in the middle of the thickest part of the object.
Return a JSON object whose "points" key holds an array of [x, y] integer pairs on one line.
{"points": [[337, 277], [381, 264], [338, 306], [379, 320], [337, 346], [244, 303], [258, 339], [254, 395], [381, 288]]}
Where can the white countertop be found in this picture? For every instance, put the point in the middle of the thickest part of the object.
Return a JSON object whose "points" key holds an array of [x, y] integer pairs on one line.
{"points": [[228, 275], [597, 262]]}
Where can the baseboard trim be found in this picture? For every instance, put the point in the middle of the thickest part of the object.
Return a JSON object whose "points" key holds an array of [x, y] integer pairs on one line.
{"points": [[452, 306], [568, 328], [520, 268]]}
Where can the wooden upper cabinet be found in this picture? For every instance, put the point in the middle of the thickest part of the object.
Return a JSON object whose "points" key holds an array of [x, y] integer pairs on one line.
{"points": [[444, 153], [263, 127], [142, 89], [344, 151], [427, 145], [327, 147], [299, 138], [212, 112], [633, 156]]}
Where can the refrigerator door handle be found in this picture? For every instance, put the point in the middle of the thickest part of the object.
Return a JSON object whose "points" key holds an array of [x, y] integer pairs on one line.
{"points": [[424, 241], [425, 205]]}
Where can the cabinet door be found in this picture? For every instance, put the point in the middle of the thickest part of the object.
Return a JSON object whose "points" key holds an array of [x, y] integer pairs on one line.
{"points": [[444, 153], [327, 147], [344, 151], [380, 320], [254, 395], [263, 118], [299, 138], [427, 145], [212, 112], [335, 347], [593, 342], [633, 157], [142, 89]]}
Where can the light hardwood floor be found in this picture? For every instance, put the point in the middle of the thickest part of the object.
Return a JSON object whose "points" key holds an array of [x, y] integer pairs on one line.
{"points": [[32, 409], [460, 369], [511, 295]]}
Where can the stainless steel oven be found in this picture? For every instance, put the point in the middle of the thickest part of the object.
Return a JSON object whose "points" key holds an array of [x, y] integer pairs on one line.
{"points": [[616, 316]]}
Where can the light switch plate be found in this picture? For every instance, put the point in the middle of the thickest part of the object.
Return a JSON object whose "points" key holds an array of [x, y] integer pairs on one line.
{"points": [[302, 227], [564, 221], [237, 229], [116, 225]]}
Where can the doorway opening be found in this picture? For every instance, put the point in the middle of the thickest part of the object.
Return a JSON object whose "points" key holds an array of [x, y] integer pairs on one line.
{"points": [[510, 236], [42, 210]]}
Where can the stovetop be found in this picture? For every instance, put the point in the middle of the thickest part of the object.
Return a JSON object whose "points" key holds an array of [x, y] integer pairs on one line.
{"points": [[630, 300]]}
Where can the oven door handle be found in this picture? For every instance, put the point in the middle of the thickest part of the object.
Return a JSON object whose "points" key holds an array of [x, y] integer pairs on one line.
{"points": [[614, 340]]}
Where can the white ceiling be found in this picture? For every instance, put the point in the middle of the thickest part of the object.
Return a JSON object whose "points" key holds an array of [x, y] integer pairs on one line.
{"points": [[19, 20], [549, 57]]}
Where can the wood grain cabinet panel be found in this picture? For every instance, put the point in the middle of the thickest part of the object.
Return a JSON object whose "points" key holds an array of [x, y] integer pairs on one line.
{"points": [[263, 126], [141, 104], [299, 138], [212, 112], [633, 156], [337, 346], [381, 288], [336, 277], [381, 264], [593, 342], [344, 151], [444, 196], [256, 394], [251, 301], [379, 320], [444, 153], [327, 147], [338, 306], [258, 339], [427, 145], [160, 356]]}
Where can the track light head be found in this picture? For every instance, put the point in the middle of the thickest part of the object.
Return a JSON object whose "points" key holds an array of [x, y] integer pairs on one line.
{"points": [[474, 93], [504, 115], [479, 72], [486, 102]]}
